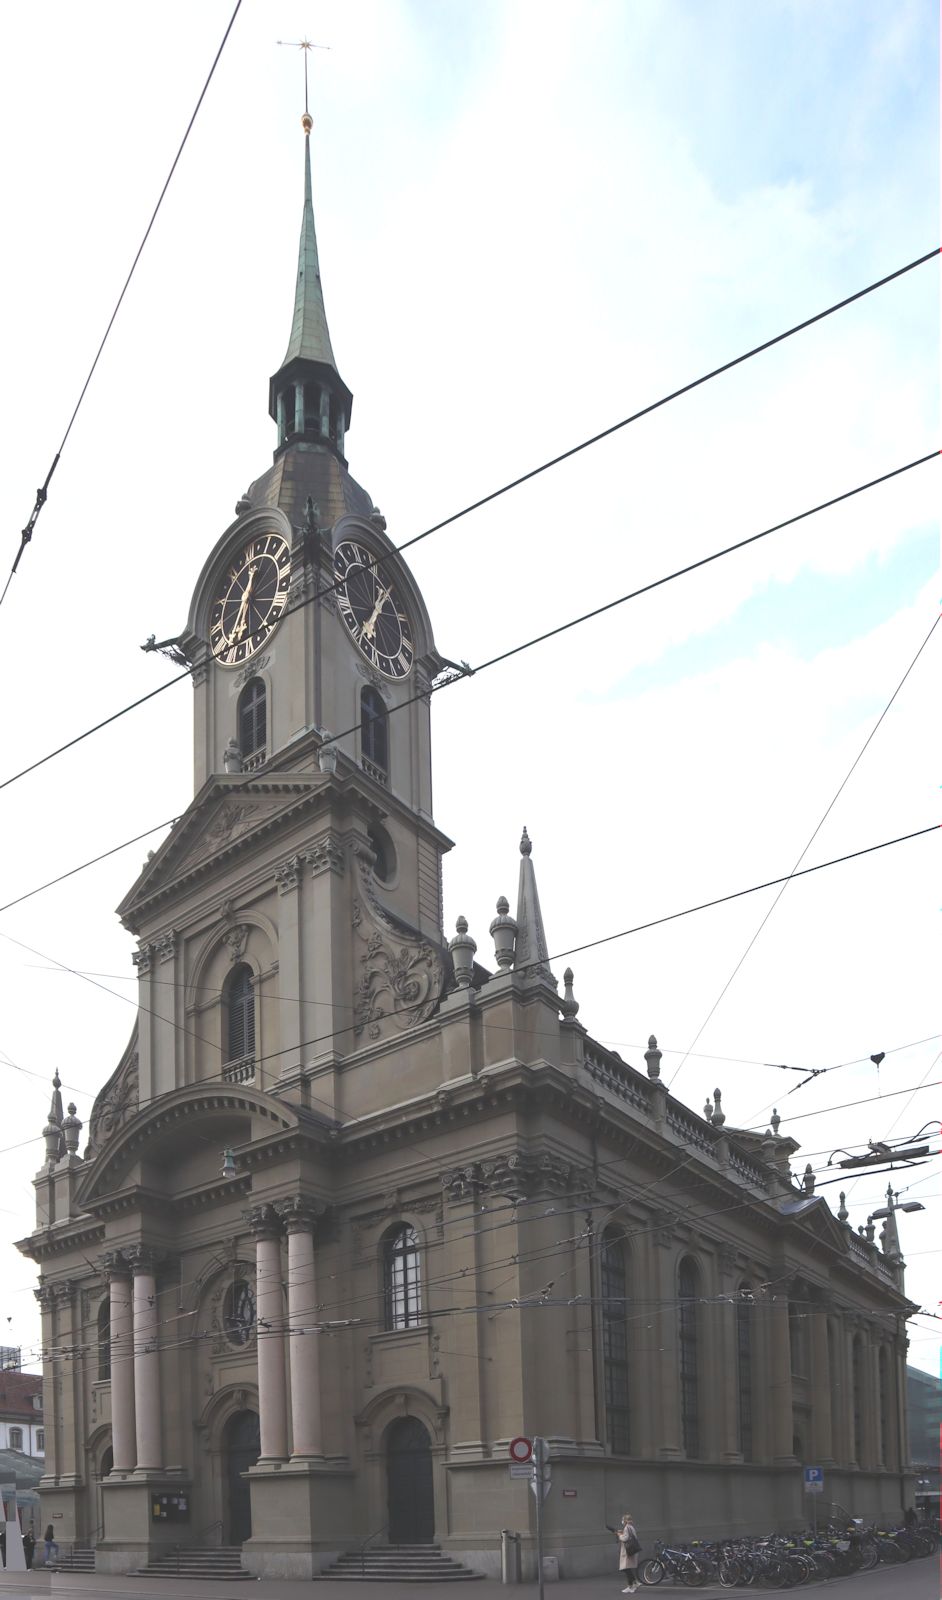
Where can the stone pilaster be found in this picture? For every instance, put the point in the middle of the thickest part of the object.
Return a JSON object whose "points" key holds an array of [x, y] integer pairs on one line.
{"points": [[300, 1219], [123, 1429], [272, 1391], [780, 1378], [821, 1382], [147, 1409]]}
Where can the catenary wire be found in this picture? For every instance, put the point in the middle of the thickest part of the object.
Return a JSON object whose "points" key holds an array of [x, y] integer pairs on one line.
{"points": [[591, 944], [42, 493], [807, 846]]}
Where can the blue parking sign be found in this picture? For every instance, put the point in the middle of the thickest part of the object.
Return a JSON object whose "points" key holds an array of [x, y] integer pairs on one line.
{"points": [[814, 1480]]}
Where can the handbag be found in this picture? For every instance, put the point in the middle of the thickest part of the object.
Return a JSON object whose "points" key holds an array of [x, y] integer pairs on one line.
{"points": [[632, 1545]]}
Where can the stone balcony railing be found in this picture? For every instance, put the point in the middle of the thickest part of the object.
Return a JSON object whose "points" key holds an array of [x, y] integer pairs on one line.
{"points": [[613, 1074]]}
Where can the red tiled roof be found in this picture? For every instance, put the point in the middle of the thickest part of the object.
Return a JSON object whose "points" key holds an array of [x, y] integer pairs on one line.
{"points": [[16, 1395]]}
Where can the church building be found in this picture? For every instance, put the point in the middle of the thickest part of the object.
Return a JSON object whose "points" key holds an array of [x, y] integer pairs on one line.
{"points": [[362, 1202]]}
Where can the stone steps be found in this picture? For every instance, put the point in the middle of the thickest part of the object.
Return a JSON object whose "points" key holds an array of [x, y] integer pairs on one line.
{"points": [[72, 1561], [224, 1563], [402, 1563]]}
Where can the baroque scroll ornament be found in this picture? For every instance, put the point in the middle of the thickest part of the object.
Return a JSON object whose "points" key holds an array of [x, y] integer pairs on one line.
{"points": [[115, 1105]]}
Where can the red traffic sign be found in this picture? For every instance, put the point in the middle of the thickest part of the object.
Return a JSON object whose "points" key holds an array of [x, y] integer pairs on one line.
{"points": [[521, 1449]]}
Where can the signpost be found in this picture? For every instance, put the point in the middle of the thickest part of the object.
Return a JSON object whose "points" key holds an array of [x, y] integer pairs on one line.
{"points": [[814, 1485], [529, 1458]]}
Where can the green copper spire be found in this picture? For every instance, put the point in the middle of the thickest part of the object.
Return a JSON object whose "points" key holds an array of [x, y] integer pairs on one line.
{"points": [[310, 338], [307, 396]]}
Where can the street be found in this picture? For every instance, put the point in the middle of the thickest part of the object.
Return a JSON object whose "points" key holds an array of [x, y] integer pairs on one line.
{"points": [[917, 1580]]}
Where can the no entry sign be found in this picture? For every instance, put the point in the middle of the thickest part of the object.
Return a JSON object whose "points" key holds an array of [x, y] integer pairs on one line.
{"points": [[521, 1449]]}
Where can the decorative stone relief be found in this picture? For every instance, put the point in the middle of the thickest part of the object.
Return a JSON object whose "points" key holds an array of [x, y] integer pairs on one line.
{"points": [[401, 976], [231, 820], [115, 1105], [326, 855], [236, 939], [257, 665], [288, 874], [374, 678], [165, 947]]}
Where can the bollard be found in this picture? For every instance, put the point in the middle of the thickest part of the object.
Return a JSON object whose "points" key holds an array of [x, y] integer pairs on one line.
{"points": [[509, 1556]]}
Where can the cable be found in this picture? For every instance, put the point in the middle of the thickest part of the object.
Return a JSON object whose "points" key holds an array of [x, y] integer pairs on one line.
{"points": [[115, 715], [814, 834], [592, 944], [115, 849], [42, 494]]}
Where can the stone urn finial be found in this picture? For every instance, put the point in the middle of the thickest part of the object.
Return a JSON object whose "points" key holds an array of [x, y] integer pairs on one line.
{"points": [[462, 948], [652, 1056], [719, 1115], [568, 1005], [503, 931]]}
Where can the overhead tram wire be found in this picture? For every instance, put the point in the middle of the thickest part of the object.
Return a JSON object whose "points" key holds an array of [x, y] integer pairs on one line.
{"points": [[335, 1033], [42, 493], [518, 649], [814, 834]]}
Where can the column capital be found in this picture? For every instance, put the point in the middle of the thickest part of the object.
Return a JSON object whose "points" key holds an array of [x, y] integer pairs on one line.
{"points": [[300, 1214], [264, 1222], [143, 1257], [45, 1294], [114, 1265]]}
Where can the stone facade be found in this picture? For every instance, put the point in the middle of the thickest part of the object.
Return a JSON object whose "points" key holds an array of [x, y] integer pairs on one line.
{"points": [[354, 1210]]}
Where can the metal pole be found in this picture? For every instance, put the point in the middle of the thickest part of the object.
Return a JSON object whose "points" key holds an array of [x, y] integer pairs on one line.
{"points": [[539, 1450], [814, 1516]]}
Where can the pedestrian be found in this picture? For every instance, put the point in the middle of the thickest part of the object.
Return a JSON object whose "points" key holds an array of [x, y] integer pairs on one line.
{"points": [[629, 1550], [29, 1545], [909, 1518], [51, 1545]]}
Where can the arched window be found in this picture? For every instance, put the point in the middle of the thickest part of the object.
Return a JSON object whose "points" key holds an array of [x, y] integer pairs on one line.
{"points": [[883, 1452], [16, 1438], [238, 1315], [687, 1331], [374, 734], [104, 1340], [401, 1285], [615, 1340], [240, 1015], [744, 1367], [858, 1385], [253, 723]]}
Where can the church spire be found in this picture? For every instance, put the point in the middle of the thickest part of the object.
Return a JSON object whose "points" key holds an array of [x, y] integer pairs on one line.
{"points": [[307, 396], [531, 959]]}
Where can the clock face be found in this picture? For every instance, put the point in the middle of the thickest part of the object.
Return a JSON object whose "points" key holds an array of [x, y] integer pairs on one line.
{"points": [[251, 598], [373, 612]]}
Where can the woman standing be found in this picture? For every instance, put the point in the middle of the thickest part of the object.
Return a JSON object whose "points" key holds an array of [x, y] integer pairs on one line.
{"points": [[629, 1549]]}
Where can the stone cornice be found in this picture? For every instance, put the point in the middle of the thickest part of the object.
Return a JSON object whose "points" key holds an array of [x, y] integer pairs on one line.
{"points": [[46, 1243]]}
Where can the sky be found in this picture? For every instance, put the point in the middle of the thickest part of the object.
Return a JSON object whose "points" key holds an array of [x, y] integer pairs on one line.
{"points": [[533, 220]]}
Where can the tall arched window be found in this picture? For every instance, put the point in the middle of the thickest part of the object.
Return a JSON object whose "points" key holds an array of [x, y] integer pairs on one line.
{"points": [[883, 1452], [239, 997], [374, 734], [253, 723], [744, 1367], [402, 1300], [104, 1340], [615, 1340], [687, 1331], [858, 1385]]}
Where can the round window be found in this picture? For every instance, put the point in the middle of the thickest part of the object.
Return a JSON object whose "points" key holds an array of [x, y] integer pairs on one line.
{"points": [[239, 1312]]}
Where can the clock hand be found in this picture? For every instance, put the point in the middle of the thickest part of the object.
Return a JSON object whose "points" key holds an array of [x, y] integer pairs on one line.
{"points": [[369, 628], [239, 628]]}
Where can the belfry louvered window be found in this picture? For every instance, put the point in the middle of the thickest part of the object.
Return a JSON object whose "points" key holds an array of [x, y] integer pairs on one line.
{"points": [[253, 718], [687, 1331], [374, 730], [240, 1015], [615, 1341]]}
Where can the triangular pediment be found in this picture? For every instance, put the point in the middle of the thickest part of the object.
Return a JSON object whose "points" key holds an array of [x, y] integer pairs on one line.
{"points": [[226, 812], [813, 1214]]}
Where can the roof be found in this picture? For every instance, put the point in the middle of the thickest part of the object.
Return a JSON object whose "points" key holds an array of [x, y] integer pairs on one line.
{"points": [[16, 1396]]}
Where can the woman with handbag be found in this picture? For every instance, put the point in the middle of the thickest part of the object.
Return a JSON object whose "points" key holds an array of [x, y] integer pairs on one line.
{"points": [[629, 1549]]}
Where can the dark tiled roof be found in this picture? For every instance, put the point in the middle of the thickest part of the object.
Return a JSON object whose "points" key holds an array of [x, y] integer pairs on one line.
{"points": [[16, 1395], [310, 469]]}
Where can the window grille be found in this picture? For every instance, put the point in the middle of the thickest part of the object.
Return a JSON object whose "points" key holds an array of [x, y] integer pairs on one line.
{"points": [[688, 1330], [401, 1284], [615, 1341]]}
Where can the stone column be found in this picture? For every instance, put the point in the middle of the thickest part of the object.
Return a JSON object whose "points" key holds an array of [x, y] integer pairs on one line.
{"points": [[123, 1436], [780, 1375], [304, 1351], [146, 1358], [665, 1340], [820, 1385], [272, 1393], [46, 1297]]}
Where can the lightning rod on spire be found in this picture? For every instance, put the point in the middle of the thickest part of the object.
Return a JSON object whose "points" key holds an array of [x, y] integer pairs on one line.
{"points": [[306, 45]]}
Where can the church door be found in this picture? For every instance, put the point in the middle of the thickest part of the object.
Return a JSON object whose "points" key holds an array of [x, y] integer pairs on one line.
{"points": [[242, 1446], [409, 1477]]}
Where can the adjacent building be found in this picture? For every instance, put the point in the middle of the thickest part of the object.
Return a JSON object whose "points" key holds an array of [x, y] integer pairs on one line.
{"points": [[924, 1407], [361, 1203], [21, 1412]]}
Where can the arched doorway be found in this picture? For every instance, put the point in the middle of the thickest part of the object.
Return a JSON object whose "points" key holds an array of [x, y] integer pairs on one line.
{"points": [[241, 1444], [410, 1497]]}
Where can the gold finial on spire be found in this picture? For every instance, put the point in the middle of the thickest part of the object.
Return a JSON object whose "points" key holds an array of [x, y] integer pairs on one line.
{"points": [[307, 121]]}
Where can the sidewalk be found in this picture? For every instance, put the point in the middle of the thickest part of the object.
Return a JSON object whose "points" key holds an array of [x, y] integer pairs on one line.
{"points": [[86, 1586]]}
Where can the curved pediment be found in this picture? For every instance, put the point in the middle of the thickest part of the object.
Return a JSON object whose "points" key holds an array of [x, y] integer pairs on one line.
{"points": [[187, 1127]]}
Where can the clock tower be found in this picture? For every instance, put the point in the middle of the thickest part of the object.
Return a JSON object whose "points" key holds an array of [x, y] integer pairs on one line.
{"points": [[309, 842]]}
